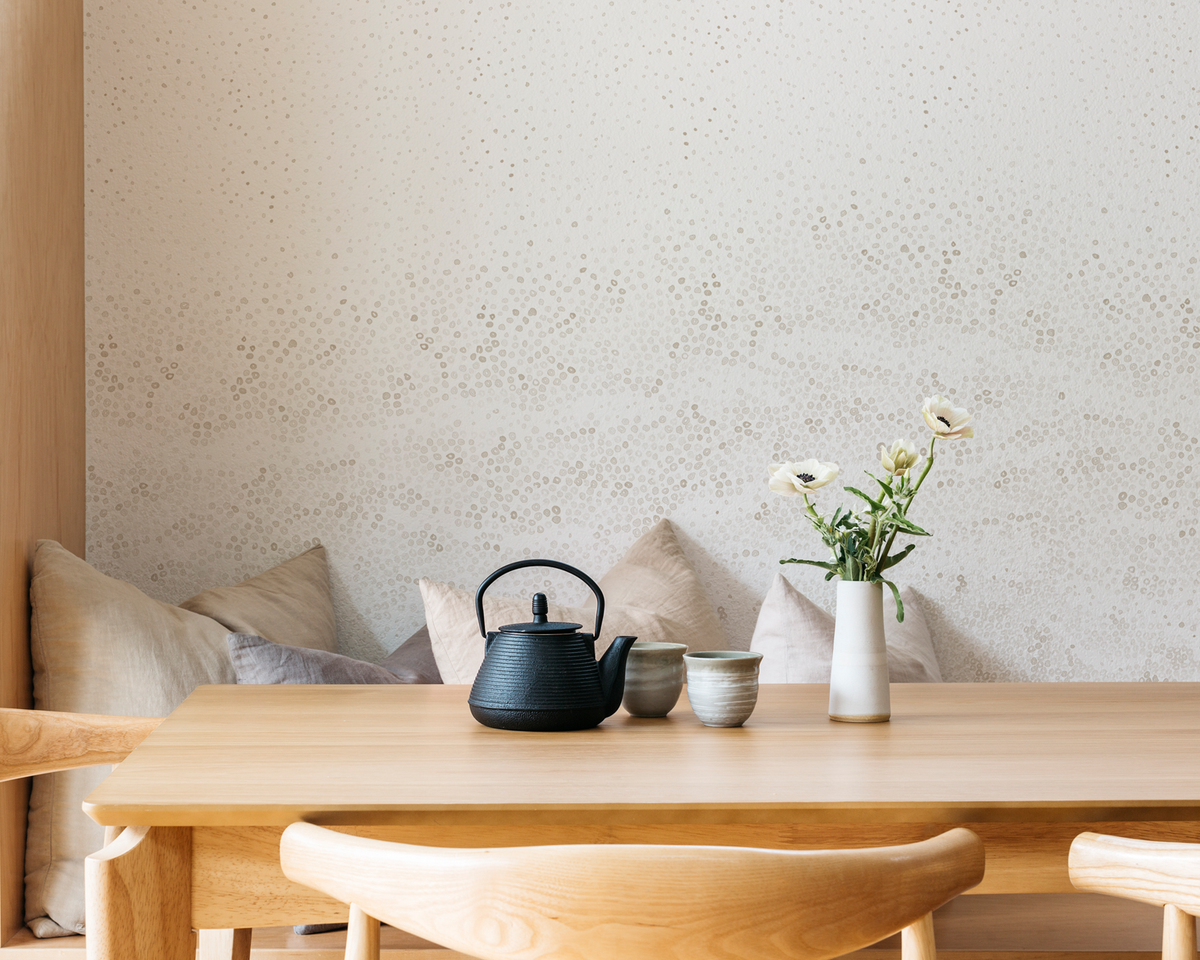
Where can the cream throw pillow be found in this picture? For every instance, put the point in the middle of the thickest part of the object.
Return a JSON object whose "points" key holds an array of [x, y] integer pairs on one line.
{"points": [[100, 645], [652, 593], [795, 637]]}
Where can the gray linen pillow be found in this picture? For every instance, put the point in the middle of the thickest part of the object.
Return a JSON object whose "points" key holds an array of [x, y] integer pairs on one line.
{"points": [[413, 660], [257, 660]]}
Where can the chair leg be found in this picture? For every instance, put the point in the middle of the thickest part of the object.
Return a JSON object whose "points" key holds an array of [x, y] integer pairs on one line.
{"points": [[1179, 934], [225, 944], [916, 941], [362, 939]]}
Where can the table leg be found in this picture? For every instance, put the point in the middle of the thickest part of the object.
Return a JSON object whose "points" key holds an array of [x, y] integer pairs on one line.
{"points": [[225, 944], [139, 896]]}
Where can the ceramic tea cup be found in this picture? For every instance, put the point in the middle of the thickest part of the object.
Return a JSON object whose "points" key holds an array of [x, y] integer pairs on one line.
{"points": [[653, 678], [722, 685]]}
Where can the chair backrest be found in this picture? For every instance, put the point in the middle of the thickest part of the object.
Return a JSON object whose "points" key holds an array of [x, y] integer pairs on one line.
{"points": [[44, 741], [1160, 872], [638, 902], [1152, 871]]}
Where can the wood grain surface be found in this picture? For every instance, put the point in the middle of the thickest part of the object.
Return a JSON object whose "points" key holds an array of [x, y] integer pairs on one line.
{"points": [[42, 380], [43, 741], [138, 896], [952, 753], [641, 902], [1158, 873]]}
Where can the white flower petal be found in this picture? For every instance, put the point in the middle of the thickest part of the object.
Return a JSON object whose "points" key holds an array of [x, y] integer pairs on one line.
{"points": [[947, 421], [792, 479]]}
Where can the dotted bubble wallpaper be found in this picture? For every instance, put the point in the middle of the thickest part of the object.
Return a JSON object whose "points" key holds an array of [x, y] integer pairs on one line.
{"points": [[444, 285]]}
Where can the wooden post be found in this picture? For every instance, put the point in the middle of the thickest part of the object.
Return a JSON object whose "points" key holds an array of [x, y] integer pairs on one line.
{"points": [[916, 941], [362, 937], [42, 453], [1179, 934]]}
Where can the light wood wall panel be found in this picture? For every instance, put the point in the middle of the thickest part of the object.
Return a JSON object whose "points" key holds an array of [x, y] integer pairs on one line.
{"points": [[41, 326]]}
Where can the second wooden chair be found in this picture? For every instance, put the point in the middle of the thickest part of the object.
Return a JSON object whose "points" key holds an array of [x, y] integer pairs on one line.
{"points": [[1150, 871], [637, 902]]}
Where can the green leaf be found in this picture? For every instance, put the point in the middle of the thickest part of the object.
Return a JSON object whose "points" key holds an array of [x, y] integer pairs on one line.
{"points": [[832, 567], [873, 502], [896, 557], [830, 575], [899, 602], [908, 526], [883, 483]]}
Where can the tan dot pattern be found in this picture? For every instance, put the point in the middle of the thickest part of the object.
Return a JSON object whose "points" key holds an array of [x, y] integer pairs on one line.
{"points": [[443, 285]]}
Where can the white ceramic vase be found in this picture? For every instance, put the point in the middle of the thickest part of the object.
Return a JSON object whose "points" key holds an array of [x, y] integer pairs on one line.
{"points": [[858, 680]]}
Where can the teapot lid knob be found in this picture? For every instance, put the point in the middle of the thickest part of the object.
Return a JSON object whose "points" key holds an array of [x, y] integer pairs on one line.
{"points": [[540, 608]]}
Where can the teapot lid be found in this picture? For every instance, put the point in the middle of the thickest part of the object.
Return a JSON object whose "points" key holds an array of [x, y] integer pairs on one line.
{"points": [[540, 625]]}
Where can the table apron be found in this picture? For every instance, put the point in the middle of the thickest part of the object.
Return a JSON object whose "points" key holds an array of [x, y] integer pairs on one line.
{"points": [[237, 881]]}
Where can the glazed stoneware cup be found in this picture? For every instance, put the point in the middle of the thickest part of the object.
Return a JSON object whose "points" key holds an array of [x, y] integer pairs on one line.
{"points": [[722, 685], [653, 678]]}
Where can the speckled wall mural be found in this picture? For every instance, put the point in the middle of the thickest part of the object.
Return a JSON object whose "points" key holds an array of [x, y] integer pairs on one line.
{"points": [[443, 285]]}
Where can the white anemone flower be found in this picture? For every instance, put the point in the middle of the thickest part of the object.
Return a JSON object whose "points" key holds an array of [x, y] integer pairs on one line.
{"points": [[900, 458], [794, 479], [947, 421]]}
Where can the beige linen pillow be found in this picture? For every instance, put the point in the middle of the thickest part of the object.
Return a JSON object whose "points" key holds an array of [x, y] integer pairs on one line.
{"points": [[289, 604], [100, 645], [652, 593], [795, 637]]}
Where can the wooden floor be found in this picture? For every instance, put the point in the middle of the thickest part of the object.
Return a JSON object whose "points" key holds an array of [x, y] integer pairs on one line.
{"points": [[1005, 927]]}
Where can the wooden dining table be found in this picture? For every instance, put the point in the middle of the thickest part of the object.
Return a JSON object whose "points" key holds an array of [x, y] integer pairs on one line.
{"points": [[205, 798]]}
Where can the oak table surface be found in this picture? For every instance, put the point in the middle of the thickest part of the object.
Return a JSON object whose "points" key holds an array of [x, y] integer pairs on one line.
{"points": [[392, 754], [206, 797]]}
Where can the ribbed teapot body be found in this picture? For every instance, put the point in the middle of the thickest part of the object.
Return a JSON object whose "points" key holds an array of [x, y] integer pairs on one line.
{"points": [[538, 682]]}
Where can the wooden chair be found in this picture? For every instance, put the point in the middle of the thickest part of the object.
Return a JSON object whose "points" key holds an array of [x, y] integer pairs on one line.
{"points": [[637, 902], [44, 741], [1151, 871]]}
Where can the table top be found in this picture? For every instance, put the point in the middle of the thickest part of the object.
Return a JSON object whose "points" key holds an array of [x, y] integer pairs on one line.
{"points": [[258, 755]]}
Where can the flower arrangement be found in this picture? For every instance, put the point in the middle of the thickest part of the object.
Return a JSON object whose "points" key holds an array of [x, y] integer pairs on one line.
{"points": [[860, 544]]}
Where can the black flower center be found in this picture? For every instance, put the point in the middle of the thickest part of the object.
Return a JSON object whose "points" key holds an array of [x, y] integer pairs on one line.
{"points": [[945, 421], [806, 477]]}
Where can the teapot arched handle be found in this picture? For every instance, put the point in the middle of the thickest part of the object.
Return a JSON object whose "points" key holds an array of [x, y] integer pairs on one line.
{"points": [[558, 565]]}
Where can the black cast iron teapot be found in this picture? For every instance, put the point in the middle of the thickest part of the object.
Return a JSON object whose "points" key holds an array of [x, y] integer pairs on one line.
{"points": [[542, 675]]}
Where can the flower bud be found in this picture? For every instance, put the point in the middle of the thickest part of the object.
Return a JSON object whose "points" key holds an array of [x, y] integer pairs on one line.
{"points": [[900, 458]]}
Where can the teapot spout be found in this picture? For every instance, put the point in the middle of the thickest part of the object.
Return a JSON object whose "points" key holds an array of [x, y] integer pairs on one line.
{"points": [[612, 673]]}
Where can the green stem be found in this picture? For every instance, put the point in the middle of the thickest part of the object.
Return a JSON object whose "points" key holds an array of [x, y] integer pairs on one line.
{"points": [[886, 547], [925, 472], [811, 510], [903, 506]]}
